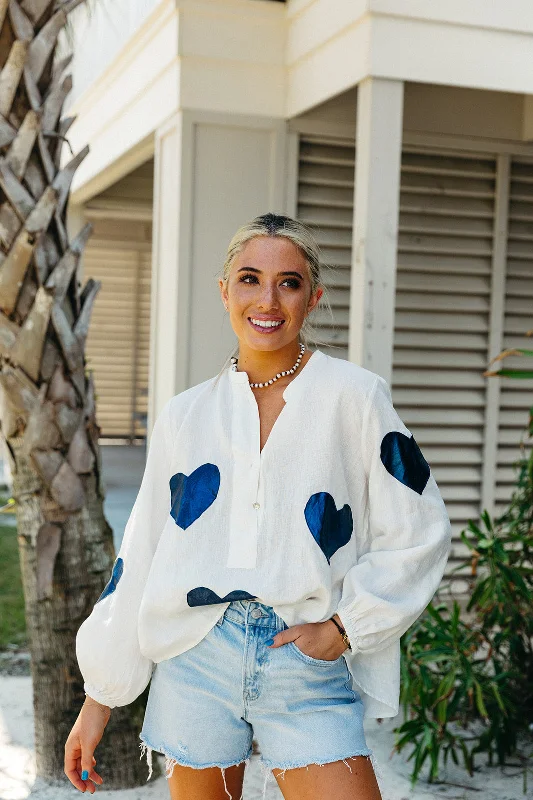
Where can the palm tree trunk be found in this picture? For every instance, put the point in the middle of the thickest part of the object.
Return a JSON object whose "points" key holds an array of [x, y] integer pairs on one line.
{"points": [[47, 412]]}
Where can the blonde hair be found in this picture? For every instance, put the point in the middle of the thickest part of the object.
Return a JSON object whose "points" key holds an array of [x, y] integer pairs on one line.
{"points": [[271, 224]]}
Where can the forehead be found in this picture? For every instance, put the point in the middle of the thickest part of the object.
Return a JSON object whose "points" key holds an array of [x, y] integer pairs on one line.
{"points": [[270, 252]]}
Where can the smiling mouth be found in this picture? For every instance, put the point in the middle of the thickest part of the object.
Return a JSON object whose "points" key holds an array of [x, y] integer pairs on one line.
{"points": [[265, 325]]}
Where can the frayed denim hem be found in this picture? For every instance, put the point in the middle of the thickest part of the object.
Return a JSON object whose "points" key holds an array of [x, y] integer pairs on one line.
{"points": [[171, 761], [268, 766]]}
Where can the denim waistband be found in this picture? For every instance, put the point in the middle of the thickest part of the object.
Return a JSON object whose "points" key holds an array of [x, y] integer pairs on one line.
{"points": [[246, 612]]}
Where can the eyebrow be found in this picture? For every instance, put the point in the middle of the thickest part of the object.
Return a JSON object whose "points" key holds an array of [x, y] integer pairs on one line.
{"points": [[253, 269]]}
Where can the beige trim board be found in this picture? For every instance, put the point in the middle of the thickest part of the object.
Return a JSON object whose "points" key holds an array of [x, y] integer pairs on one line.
{"points": [[459, 144], [118, 169], [110, 209]]}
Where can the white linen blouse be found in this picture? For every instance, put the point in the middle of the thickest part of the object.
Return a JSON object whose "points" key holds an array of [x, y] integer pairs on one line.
{"points": [[339, 513]]}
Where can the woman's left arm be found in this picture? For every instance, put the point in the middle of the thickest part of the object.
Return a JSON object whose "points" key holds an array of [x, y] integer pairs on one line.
{"points": [[409, 529]]}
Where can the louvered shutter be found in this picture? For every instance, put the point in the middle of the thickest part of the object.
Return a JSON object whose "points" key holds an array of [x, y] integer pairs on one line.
{"points": [[516, 396], [119, 255], [325, 204], [441, 330]]}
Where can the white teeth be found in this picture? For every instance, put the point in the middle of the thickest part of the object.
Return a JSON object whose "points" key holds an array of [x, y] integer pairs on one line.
{"points": [[267, 323]]}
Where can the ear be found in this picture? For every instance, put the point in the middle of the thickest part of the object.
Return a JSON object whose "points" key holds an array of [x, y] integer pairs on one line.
{"points": [[223, 292], [313, 300]]}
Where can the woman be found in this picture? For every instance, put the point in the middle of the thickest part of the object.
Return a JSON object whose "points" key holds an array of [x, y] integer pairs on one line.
{"points": [[286, 534]]}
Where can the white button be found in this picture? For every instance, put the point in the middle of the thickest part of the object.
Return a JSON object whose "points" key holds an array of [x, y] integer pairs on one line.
{"points": [[256, 505], [256, 613]]}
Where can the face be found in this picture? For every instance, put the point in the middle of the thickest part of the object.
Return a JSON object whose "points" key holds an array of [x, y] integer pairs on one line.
{"points": [[268, 293]]}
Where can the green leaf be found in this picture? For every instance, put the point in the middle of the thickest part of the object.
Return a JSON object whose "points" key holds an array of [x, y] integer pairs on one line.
{"points": [[479, 700], [466, 757], [522, 351], [524, 374], [422, 754], [434, 656], [497, 695], [484, 544]]}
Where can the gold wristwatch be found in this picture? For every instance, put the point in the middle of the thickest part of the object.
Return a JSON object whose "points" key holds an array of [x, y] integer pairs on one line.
{"points": [[342, 633]]}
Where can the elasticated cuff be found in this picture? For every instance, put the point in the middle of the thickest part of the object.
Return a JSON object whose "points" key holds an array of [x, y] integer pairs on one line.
{"points": [[350, 627], [100, 697]]}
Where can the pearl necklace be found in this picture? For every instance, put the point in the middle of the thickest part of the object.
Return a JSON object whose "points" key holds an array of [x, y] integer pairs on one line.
{"points": [[293, 369]]}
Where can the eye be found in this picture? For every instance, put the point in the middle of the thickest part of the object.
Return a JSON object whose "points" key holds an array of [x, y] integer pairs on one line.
{"points": [[244, 278], [294, 283]]}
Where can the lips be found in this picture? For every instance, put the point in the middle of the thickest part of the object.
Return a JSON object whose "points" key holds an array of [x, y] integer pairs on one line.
{"points": [[264, 328]]}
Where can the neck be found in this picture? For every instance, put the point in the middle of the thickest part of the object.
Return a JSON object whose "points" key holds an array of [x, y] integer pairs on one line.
{"points": [[261, 365]]}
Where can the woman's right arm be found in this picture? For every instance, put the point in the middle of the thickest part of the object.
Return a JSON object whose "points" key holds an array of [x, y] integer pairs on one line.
{"points": [[114, 670]]}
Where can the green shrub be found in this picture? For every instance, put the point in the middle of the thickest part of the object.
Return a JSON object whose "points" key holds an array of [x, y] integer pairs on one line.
{"points": [[467, 675]]}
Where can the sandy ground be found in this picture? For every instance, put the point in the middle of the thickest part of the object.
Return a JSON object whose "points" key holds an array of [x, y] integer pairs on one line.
{"points": [[18, 780]]}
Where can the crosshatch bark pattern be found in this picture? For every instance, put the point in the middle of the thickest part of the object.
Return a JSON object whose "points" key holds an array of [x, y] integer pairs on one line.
{"points": [[47, 413]]}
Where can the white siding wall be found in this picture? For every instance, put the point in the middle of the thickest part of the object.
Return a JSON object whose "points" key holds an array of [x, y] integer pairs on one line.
{"points": [[99, 35]]}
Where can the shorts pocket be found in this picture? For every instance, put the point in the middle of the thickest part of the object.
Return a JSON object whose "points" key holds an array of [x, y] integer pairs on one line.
{"points": [[319, 662], [220, 620]]}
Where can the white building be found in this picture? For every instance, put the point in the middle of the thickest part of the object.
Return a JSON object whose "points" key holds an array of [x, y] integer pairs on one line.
{"points": [[401, 131]]}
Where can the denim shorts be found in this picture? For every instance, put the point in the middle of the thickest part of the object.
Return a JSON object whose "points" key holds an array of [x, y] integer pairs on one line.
{"points": [[205, 705]]}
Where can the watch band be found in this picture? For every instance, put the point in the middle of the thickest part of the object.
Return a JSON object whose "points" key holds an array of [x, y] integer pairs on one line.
{"points": [[342, 633]]}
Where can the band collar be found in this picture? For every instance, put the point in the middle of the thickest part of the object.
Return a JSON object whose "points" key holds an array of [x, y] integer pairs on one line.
{"points": [[302, 376]]}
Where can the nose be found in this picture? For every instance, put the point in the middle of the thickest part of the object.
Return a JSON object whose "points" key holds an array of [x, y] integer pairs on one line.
{"points": [[269, 298]]}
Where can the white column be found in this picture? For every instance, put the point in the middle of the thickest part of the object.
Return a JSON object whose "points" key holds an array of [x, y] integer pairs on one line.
{"points": [[213, 172], [375, 228], [169, 325]]}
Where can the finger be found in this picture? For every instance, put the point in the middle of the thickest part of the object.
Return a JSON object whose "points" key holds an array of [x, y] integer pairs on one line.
{"points": [[74, 777], [95, 777], [283, 637], [87, 771], [71, 770], [89, 785]]}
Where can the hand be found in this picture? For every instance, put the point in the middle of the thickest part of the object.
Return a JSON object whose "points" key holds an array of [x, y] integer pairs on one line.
{"points": [[315, 639], [81, 744]]}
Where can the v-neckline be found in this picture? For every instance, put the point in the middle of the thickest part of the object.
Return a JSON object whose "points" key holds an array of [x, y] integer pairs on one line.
{"points": [[285, 394]]}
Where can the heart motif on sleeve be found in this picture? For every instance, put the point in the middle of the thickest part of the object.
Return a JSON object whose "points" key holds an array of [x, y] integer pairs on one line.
{"points": [[331, 528], [403, 459], [116, 575], [191, 495], [201, 596]]}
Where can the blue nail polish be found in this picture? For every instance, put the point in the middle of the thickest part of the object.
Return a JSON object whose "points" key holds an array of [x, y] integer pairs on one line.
{"points": [[84, 775], [269, 642]]}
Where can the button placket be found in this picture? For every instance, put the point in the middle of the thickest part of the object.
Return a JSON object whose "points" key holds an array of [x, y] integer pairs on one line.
{"points": [[242, 550]]}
